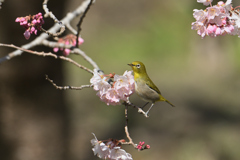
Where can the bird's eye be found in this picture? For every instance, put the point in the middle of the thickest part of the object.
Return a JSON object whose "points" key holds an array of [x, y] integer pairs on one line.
{"points": [[138, 65]]}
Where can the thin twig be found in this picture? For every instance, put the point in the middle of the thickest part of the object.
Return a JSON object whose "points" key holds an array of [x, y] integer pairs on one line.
{"points": [[87, 58], [67, 87], [68, 25], [62, 29], [53, 44], [48, 54], [141, 146], [126, 129], [74, 50], [51, 15], [134, 106], [81, 20]]}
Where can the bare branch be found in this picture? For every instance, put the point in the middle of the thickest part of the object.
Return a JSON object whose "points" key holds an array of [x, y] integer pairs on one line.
{"points": [[141, 146], [87, 58], [51, 15], [54, 44], [67, 87], [68, 25], [48, 54], [62, 29], [126, 129], [139, 108], [74, 50], [81, 20]]}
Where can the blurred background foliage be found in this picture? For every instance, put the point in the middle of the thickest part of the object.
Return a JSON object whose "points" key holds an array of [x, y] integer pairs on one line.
{"points": [[200, 76]]}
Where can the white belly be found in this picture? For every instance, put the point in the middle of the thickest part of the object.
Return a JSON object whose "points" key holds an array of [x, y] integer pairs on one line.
{"points": [[146, 93]]}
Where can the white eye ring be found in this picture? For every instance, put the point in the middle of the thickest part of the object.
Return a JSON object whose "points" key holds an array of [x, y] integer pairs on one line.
{"points": [[138, 65]]}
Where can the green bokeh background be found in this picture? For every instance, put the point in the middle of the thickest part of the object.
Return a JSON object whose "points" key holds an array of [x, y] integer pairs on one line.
{"points": [[200, 76]]}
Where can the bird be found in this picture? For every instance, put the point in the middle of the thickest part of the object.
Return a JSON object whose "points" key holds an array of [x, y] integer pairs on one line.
{"points": [[144, 87]]}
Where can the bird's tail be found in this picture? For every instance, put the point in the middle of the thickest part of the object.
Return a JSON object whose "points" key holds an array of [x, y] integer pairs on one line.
{"points": [[169, 103], [164, 99]]}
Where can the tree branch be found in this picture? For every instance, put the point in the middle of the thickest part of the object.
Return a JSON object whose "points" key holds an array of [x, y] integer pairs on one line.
{"points": [[67, 87], [48, 54], [139, 109], [74, 50], [126, 129], [51, 15], [81, 20]]}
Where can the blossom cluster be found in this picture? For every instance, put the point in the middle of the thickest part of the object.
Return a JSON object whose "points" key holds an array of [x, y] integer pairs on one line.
{"points": [[31, 24], [142, 146], [113, 88], [216, 20], [69, 39], [110, 150]]}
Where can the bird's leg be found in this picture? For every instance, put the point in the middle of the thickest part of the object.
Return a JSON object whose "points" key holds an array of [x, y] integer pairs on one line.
{"points": [[144, 105], [150, 108]]}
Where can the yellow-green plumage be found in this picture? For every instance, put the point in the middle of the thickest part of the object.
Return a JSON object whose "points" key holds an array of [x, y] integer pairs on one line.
{"points": [[144, 86]]}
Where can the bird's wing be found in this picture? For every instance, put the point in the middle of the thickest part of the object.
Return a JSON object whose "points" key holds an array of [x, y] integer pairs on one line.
{"points": [[153, 86]]}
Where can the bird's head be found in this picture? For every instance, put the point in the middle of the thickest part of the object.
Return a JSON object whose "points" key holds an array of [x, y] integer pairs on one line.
{"points": [[138, 67]]}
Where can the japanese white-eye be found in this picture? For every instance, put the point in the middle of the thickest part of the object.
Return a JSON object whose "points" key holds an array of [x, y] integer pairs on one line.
{"points": [[144, 86]]}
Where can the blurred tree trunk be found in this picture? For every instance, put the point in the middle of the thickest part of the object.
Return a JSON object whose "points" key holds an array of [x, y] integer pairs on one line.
{"points": [[34, 122]]}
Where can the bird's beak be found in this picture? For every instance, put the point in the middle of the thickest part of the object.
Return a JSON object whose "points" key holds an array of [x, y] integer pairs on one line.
{"points": [[130, 65]]}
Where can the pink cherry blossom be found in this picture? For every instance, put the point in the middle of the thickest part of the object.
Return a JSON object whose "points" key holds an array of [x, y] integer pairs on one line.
{"points": [[213, 12], [110, 150], [124, 85], [200, 27], [205, 2], [66, 52], [119, 154], [100, 149], [199, 15], [216, 20], [147, 146], [142, 146], [112, 89], [27, 34], [70, 39], [211, 29], [31, 24], [218, 31], [111, 97], [55, 49]]}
